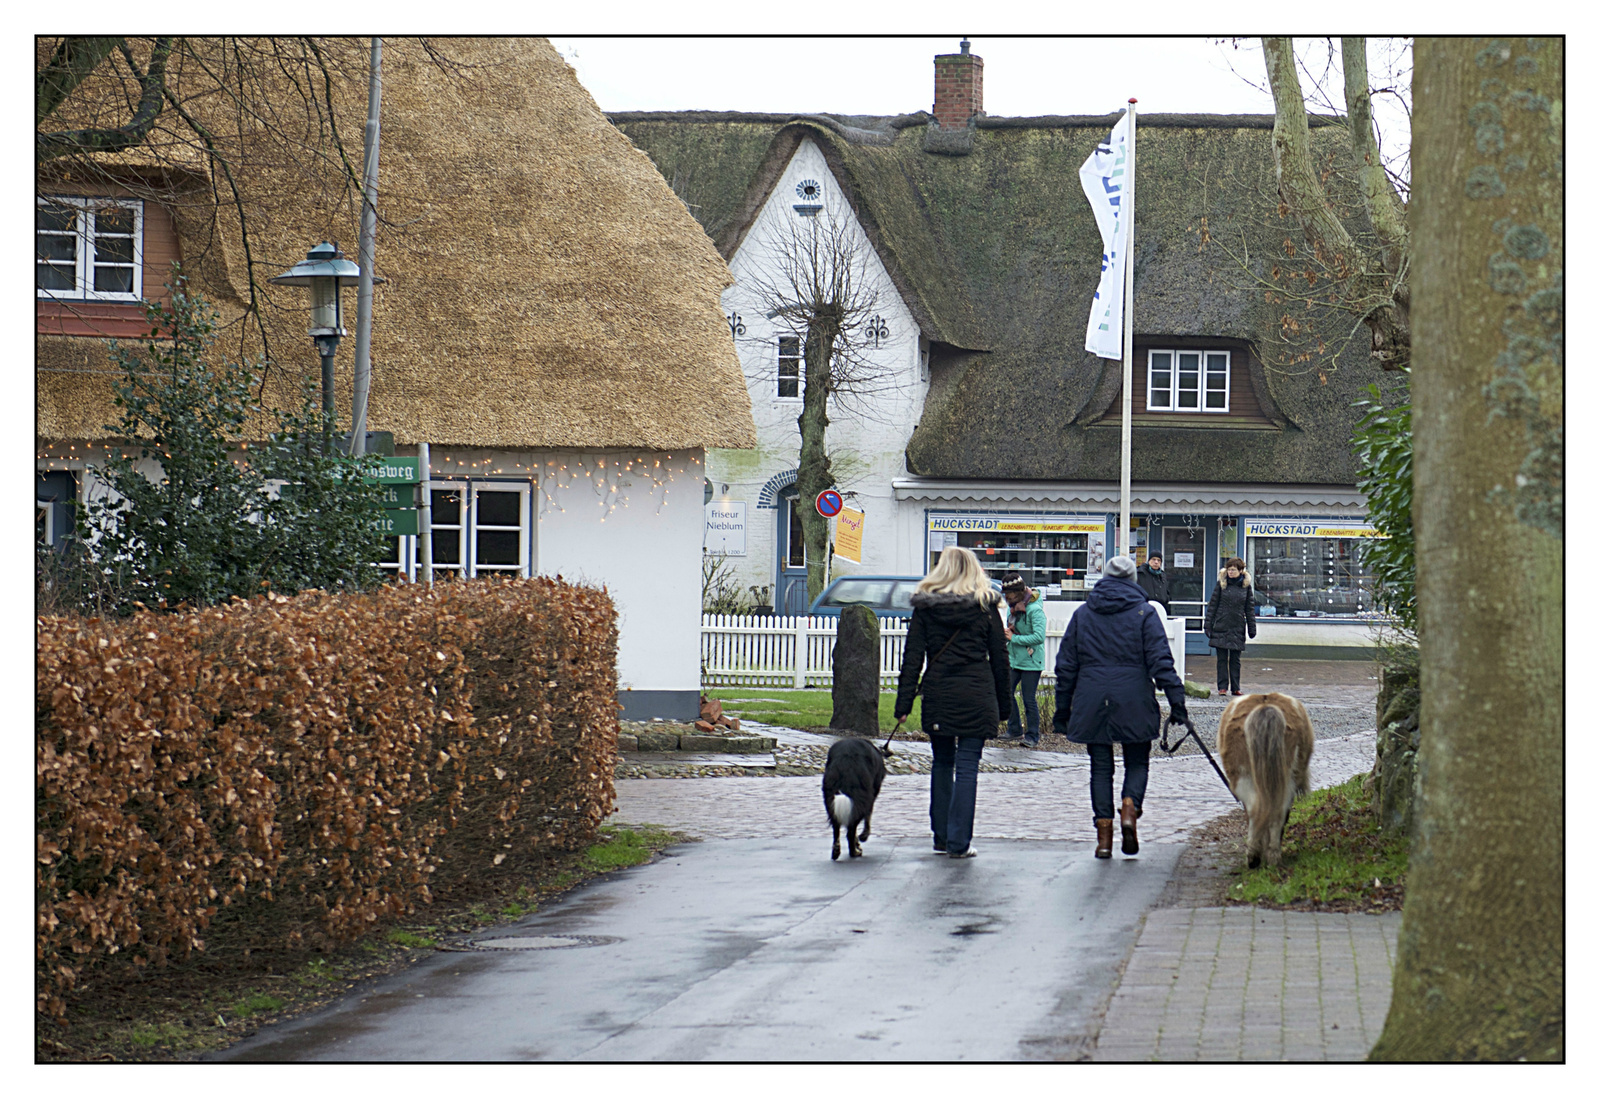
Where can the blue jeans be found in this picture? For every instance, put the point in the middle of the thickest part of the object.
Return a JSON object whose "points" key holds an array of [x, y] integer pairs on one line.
{"points": [[954, 800], [1030, 703], [1135, 773]]}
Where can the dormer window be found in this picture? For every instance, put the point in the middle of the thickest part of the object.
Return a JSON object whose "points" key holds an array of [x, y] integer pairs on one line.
{"points": [[1185, 380], [88, 249]]}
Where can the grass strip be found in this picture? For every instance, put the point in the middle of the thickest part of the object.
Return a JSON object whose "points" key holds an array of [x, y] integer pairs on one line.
{"points": [[1334, 855]]}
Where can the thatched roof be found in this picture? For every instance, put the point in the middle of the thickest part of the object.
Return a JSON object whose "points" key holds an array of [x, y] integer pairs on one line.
{"points": [[997, 254], [545, 287]]}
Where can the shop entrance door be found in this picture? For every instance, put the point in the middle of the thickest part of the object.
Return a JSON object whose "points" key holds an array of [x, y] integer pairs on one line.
{"points": [[1183, 554]]}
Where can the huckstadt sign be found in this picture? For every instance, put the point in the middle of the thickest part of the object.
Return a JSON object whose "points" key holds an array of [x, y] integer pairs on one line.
{"points": [[1066, 525], [1308, 528]]}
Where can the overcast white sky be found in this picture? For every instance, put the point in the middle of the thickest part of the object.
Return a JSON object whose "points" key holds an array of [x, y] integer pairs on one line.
{"points": [[1021, 75]]}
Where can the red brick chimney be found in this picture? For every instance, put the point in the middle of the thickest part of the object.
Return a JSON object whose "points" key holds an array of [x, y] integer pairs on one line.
{"points": [[957, 87]]}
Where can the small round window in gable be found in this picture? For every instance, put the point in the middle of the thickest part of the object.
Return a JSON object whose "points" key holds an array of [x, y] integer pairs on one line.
{"points": [[809, 191]]}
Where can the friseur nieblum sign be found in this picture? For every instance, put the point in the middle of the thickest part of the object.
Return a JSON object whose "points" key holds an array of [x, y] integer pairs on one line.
{"points": [[1298, 528]]}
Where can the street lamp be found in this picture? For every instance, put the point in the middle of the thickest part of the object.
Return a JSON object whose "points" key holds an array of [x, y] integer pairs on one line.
{"points": [[324, 271]]}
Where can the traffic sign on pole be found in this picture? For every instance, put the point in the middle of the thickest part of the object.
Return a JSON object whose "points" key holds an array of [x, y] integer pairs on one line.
{"points": [[829, 503]]}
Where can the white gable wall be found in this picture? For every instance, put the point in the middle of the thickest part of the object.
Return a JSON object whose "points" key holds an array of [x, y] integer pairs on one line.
{"points": [[867, 433]]}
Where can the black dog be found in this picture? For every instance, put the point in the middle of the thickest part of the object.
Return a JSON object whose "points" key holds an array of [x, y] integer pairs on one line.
{"points": [[850, 786]]}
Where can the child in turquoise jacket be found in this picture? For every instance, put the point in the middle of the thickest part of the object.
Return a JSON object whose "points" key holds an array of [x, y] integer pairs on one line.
{"points": [[1025, 646]]}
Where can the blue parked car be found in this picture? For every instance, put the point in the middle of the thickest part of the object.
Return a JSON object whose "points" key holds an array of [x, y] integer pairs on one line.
{"points": [[888, 596]]}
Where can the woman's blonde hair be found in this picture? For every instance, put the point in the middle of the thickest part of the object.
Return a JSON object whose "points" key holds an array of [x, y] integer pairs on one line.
{"points": [[958, 573]]}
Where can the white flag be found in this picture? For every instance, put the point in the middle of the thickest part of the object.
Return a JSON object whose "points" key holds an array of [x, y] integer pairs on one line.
{"points": [[1103, 176]]}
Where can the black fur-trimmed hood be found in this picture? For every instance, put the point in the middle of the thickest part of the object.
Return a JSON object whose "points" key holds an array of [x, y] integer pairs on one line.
{"points": [[943, 600]]}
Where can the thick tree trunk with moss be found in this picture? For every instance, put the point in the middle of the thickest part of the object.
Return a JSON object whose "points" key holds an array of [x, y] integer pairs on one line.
{"points": [[815, 473], [1480, 965]]}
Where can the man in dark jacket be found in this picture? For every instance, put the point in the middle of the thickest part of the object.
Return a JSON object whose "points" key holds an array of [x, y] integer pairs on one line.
{"points": [[1154, 583], [1114, 648]]}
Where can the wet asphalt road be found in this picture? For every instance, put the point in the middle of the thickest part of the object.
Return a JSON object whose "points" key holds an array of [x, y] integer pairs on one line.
{"points": [[763, 949]]}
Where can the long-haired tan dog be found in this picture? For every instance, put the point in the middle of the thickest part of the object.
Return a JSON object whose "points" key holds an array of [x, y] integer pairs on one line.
{"points": [[1265, 743]]}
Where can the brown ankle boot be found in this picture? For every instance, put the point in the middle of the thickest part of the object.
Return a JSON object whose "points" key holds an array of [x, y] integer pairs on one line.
{"points": [[1130, 834], [1102, 843]]}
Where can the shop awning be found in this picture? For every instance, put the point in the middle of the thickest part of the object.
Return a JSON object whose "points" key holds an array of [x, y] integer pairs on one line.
{"points": [[1199, 499]]}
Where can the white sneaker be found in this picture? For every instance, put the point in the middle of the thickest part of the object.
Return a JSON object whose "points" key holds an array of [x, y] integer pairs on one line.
{"points": [[969, 853]]}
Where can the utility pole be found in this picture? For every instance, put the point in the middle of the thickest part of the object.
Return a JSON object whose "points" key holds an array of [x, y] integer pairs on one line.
{"points": [[369, 230]]}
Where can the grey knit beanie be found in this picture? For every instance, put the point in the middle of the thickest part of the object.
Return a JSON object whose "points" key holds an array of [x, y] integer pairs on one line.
{"points": [[1120, 565]]}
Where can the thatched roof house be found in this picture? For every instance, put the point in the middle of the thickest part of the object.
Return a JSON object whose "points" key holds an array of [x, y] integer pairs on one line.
{"points": [[545, 288], [996, 253]]}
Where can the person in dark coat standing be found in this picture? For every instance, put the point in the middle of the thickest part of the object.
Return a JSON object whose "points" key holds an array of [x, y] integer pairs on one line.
{"points": [[1230, 615], [1114, 648], [1154, 583], [955, 627]]}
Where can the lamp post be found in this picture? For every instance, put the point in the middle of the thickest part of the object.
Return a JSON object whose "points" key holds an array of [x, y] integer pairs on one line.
{"points": [[324, 271]]}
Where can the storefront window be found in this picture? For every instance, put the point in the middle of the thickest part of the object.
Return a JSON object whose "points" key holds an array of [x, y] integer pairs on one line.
{"points": [[1061, 556], [1310, 569]]}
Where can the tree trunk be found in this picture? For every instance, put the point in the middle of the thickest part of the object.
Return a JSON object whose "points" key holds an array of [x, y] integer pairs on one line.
{"points": [[1480, 966], [815, 473]]}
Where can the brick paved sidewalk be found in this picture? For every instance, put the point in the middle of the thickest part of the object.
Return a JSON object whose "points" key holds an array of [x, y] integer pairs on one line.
{"points": [[1252, 984]]}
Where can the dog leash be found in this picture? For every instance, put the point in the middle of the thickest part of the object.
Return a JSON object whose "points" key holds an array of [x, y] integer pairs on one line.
{"points": [[892, 732], [1189, 725]]}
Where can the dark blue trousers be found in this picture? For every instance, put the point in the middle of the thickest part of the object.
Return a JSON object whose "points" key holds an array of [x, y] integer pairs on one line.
{"points": [[1135, 773], [954, 801], [1029, 681]]}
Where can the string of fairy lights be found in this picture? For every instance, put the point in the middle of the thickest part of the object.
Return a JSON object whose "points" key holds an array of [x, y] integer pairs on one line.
{"points": [[605, 480]]}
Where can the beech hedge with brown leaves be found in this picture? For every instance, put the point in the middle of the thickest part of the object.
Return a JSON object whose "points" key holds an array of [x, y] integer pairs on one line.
{"points": [[314, 764]]}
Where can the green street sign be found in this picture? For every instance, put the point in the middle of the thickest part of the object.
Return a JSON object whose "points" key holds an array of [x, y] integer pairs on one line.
{"points": [[398, 522], [395, 471], [398, 497]]}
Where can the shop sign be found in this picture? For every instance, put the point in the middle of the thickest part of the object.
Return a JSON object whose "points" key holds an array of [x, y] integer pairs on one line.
{"points": [[725, 528], [847, 534], [1308, 528], [1002, 523]]}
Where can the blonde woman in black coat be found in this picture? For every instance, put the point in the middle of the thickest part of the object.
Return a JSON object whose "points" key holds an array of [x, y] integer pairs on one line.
{"points": [[956, 628], [1230, 615]]}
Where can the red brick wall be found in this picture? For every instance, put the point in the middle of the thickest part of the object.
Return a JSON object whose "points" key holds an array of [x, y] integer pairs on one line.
{"points": [[957, 88]]}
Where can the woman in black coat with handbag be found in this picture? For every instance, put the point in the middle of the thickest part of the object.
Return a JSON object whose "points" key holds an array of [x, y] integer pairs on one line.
{"points": [[1230, 615], [1114, 649], [955, 626]]}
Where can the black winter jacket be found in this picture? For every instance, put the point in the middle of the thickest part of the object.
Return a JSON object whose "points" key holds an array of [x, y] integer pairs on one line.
{"points": [[967, 687], [1155, 587], [1113, 648], [1231, 613]]}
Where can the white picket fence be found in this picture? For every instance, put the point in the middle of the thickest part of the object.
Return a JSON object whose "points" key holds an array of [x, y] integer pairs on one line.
{"points": [[750, 651]]}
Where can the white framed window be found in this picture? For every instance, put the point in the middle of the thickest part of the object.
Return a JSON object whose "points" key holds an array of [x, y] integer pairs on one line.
{"points": [[1187, 381], [480, 528], [791, 368], [498, 536], [88, 249]]}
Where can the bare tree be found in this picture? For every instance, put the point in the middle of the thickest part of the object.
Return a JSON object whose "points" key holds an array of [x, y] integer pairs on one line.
{"points": [[1366, 278], [820, 285]]}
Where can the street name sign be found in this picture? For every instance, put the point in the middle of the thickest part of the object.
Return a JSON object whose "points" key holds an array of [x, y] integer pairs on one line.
{"points": [[395, 471]]}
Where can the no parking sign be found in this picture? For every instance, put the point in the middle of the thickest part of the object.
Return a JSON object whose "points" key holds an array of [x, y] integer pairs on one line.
{"points": [[829, 503]]}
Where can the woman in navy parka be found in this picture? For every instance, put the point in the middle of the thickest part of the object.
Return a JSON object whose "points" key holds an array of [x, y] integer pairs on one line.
{"points": [[1115, 646]]}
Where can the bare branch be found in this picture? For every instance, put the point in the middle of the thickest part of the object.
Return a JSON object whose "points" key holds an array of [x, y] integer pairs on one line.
{"points": [[47, 146]]}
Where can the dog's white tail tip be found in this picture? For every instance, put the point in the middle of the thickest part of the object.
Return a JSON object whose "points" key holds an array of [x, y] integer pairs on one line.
{"points": [[841, 809]]}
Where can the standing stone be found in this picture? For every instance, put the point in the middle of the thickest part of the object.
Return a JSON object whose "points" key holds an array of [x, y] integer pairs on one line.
{"points": [[855, 672]]}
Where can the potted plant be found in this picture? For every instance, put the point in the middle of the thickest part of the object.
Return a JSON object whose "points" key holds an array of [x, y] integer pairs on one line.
{"points": [[763, 597]]}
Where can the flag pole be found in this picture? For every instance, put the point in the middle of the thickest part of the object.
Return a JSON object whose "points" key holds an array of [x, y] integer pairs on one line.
{"points": [[1125, 543]]}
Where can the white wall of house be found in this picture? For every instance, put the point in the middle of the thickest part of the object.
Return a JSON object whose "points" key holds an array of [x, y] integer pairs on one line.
{"points": [[867, 434], [634, 527]]}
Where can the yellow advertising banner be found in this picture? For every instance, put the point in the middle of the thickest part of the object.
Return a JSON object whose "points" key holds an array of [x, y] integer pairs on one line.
{"points": [[847, 534]]}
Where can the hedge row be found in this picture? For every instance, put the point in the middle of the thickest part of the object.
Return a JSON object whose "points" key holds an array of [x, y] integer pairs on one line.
{"points": [[314, 764]]}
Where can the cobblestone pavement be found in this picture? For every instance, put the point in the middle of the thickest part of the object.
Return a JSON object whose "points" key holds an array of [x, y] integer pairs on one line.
{"points": [[1252, 984], [1045, 804]]}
